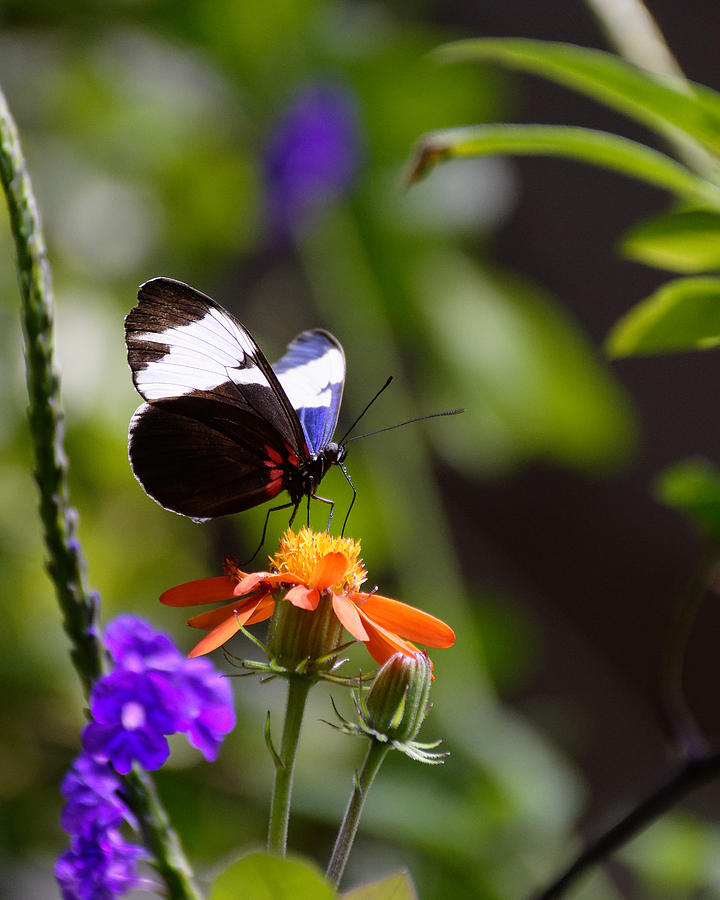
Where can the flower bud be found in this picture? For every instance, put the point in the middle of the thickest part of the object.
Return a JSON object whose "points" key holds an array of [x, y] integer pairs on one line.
{"points": [[397, 701]]}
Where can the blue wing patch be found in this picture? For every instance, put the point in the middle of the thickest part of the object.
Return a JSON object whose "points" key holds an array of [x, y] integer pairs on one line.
{"points": [[312, 374]]}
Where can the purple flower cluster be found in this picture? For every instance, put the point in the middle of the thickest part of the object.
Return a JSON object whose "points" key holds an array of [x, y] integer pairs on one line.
{"points": [[152, 692], [99, 865], [312, 155]]}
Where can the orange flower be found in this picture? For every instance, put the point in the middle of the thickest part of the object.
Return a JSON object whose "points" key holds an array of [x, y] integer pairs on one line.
{"points": [[307, 566]]}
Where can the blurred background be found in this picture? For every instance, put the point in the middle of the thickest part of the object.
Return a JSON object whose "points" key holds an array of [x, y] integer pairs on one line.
{"points": [[257, 151]]}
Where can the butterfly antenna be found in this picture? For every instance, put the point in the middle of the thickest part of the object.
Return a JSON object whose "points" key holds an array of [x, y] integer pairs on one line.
{"points": [[367, 407], [449, 412]]}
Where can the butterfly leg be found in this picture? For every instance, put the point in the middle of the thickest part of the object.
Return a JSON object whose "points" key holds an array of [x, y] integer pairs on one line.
{"points": [[330, 503], [265, 526], [352, 486]]}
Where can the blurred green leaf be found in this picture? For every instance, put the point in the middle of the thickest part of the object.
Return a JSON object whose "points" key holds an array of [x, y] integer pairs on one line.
{"points": [[675, 857], [259, 876], [530, 382], [680, 240], [666, 105], [396, 887], [693, 488], [584, 144], [683, 314]]}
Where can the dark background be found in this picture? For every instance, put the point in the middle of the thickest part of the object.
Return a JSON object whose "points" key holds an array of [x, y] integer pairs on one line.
{"points": [[624, 558]]}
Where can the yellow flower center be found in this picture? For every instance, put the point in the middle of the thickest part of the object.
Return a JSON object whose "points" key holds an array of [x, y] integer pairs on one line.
{"points": [[300, 553]]}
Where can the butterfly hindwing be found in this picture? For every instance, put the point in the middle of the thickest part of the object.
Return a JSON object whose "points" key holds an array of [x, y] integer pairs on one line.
{"points": [[220, 431], [204, 465], [312, 373]]}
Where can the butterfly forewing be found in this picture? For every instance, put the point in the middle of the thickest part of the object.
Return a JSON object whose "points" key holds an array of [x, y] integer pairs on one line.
{"points": [[220, 432], [180, 343]]}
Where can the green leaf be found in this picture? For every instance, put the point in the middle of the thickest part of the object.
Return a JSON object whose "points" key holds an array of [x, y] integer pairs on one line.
{"points": [[396, 887], [584, 144], [683, 314], [666, 105], [259, 876], [682, 241], [693, 488]]}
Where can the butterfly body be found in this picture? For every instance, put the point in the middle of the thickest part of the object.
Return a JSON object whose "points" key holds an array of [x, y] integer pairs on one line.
{"points": [[221, 430], [303, 481]]}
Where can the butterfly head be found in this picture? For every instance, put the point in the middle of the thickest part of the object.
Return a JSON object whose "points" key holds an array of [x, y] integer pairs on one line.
{"points": [[333, 454], [306, 479]]}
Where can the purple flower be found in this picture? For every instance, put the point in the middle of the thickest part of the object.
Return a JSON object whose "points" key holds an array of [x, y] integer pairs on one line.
{"points": [[207, 705], [92, 791], [153, 691], [311, 156], [99, 866], [132, 712], [134, 644]]}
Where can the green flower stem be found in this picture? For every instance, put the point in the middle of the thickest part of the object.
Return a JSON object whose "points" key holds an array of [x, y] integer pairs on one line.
{"points": [[65, 561], [298, 689], [66, 564], [159, 836], [377, 751]]}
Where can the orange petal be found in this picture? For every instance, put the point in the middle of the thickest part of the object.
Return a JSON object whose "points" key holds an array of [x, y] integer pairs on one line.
{"points": [[347, 613], [204, 590], [263, 610], [382, 644], [236, 609], [303, 597], [249, 582], [406, 620], [328, 571], [216, 638]]}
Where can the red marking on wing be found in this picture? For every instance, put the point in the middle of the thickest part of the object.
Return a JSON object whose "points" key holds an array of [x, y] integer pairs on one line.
{"points": [[274, 456], [275, 485], [292, 456]]}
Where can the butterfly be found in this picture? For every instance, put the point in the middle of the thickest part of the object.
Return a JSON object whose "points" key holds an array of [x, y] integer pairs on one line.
{"points": [[221, 430]]}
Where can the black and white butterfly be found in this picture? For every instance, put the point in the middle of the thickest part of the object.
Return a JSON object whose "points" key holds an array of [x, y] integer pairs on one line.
{"points": [[222, 430]]}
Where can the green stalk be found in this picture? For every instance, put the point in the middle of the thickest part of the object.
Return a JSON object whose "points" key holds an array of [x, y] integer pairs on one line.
{"points": [[65, 561], [66, 564], [298, 688], [377, 751], [631, 29], [676, 717], [159, 836], [691, 775]]}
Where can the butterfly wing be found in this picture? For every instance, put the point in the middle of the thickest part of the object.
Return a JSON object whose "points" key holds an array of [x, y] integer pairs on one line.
{"points": [[203, 464], [312, 374], [217, 432], [182, 344]]}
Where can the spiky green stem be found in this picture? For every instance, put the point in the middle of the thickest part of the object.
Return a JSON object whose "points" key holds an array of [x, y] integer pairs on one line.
{"points": [[65, 563]]}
